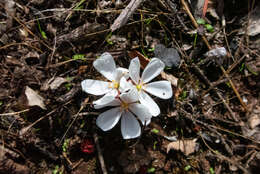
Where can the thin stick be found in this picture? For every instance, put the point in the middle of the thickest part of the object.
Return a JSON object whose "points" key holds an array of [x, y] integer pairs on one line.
{"points": [[125, 14], [14, 113], [100, 155]]}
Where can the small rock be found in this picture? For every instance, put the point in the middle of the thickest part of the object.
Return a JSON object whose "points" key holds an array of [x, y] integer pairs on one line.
{"points": [[169, 56]]}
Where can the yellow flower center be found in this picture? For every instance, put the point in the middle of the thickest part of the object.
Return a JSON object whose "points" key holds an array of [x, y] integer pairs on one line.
{"points": [[139, 87], [114, 84], [124, 105]]}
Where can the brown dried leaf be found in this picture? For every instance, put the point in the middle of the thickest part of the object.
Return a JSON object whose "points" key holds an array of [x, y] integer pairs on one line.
{"points": [[143, 60], [33, 98], [169, 77], [254, 119], [186, 146]]}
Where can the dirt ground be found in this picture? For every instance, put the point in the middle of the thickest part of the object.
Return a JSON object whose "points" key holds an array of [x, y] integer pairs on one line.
{"points": [[211, 124]]}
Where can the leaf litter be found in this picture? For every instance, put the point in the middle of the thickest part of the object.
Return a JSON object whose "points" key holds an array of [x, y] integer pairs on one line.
{"points": [[41, 67]]}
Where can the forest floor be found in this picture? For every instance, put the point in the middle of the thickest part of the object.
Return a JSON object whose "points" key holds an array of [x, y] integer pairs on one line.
{"points": [[211, 49]]}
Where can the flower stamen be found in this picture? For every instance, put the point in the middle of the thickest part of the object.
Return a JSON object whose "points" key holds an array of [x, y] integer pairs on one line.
{"points": [[139, 87], [124, 105], [114, 84]]}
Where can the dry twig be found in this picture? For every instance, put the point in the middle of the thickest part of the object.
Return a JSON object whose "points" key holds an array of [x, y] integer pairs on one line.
{"points": [[125, 14]]}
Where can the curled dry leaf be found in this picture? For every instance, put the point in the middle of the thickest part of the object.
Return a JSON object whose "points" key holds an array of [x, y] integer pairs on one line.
{"points": [[171, 78], [254, 119], [53, 83], [57, 82], [186, 146], [33, 98]]}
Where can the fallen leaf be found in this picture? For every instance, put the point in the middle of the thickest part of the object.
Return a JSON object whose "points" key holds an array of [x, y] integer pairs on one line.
{"points": [[254, 23], [143, 60], [218, 52], [33, 98], [57, 82], [53, 83], [254, 118], [171, 78], [185, 146]]}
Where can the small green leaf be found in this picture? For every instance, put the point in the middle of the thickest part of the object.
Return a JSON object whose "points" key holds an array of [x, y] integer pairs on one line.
{"points": [[242, 67], [43, 35], [195, 40], [156, 131], [42, 32], [154, 145], [65, 145], [201, 21], [148, 21], [56, 170], [188, 167], [68, 86], [211, 170], [151, 50], [151, 170], [209, 27], [107, 39], [79, 57]]}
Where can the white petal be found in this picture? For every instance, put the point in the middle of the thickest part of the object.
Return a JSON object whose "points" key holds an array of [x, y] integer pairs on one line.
{"points": [[125, 85], [130, 96], [121, 72], [161, 89], [130, 127], [141, 112], [146, 100], [134, 70], [107, 120], [105, 64], [95, 87], [153, 69], [107, 100]]}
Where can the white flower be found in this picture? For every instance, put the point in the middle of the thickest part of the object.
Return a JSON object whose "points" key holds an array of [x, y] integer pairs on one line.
{"points": [[127, 106], [107, 67], [161, 89]]}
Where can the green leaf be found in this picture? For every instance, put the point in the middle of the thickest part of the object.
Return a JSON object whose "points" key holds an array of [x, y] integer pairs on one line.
{"points": [[42, 32], [211, 170], [154, 145], [56, 170], [43, 35], [201, 21], [148, 21], [156, 131], [209, 27], [151, 170], [188, 167], [79, 57], [242, 67], [151, 49]]}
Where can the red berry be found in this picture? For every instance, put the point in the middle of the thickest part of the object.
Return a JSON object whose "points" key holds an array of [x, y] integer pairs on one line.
{"points": [[87, 146]]}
